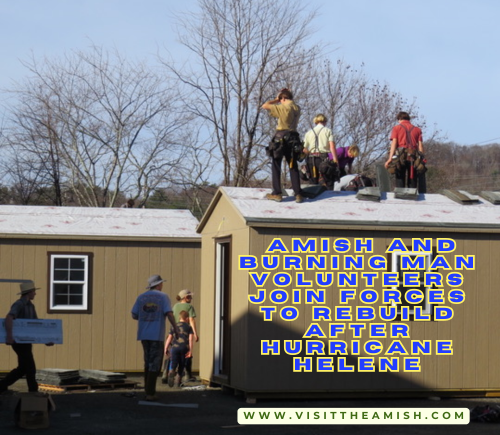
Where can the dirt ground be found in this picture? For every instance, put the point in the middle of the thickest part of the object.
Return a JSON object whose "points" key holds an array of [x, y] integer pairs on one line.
{"points": [[212, 411]]}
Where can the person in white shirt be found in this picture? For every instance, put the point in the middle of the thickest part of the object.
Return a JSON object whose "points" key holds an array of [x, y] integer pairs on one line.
{"points": [[319, 146]]}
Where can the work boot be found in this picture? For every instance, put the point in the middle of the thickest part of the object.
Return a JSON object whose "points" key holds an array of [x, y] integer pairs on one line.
{"points": [[171, 378], [150, 386], [299, 198], [189, 376], [273, 197], [177, 381]]}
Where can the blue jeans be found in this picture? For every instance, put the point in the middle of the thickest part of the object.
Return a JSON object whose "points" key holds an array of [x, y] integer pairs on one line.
{"points": [[178, 359]]}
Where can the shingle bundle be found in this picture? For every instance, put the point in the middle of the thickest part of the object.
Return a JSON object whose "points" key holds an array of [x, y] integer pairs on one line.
{"points": [[368, 194], [461, 196], [493, 197], [57, 376], [96, 376], [406, 193]]}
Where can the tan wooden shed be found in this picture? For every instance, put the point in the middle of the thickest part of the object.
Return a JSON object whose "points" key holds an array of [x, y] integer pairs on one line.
{"points": [[241, 222], [91, 264]]}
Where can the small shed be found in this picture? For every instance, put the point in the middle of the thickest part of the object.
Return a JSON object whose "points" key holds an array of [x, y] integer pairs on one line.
{"points": [[91, 263], [239, 354]]}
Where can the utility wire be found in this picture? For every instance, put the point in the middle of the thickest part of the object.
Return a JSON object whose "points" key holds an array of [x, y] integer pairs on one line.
{"points": [[486, 141]]}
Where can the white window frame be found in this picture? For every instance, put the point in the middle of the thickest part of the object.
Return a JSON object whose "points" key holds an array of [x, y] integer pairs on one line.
{"points": [[85, 283], [428, 258]]}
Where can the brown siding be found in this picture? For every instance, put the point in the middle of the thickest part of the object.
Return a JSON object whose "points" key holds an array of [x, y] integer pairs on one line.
{"points": [[475, 359], [106, 338]]}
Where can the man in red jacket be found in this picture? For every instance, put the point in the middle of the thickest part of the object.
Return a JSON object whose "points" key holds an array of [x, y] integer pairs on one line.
{"points": [[407, 147]]}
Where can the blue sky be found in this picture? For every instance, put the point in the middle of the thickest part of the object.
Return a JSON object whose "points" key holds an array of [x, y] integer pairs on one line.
{"points": [[442, 52]]}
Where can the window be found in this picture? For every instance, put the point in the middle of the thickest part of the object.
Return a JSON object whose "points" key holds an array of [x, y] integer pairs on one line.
{"points": [[69, 282], [412, 263]]}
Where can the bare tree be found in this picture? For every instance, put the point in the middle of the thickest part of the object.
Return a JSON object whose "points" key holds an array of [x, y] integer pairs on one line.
{"points": [[332, 88], [360, 111], [245, 51], [99, 125], [472, 168], [32, 152], [368, 118], [195, 176]]}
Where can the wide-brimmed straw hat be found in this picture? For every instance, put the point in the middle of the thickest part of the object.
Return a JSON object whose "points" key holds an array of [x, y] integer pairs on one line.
{"points": [[27, 287]]}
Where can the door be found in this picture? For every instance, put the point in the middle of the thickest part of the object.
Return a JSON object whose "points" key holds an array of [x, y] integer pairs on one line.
{"points": [[222, 307]]}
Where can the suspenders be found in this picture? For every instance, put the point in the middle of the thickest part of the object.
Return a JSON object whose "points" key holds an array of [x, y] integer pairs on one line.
{"points": [[410, 143], [316, 139]]}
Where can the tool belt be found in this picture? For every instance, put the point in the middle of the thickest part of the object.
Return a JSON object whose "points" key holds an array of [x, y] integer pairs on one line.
{"points": [[405, 155], [329, 170], [323, 155], [285, 142]]}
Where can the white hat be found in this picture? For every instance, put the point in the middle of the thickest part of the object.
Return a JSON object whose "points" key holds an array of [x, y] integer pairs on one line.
{"points": [[184, 293]]}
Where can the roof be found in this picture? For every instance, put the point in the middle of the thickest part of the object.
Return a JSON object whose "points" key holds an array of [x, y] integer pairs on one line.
{"points": [[343, 209], [90, 223]]}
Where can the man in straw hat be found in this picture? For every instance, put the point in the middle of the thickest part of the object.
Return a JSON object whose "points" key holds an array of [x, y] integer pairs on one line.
{"points": [[150, 310], [23, 308]]}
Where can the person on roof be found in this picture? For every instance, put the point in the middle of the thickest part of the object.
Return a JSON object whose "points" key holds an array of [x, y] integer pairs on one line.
{"points": [[406, 156], [346, 156], [344, 182], [319, 147], [285, 143], [353, 182]]}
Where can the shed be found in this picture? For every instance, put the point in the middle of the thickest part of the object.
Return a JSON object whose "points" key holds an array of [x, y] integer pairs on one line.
{"points": [[91, 263], [241, 222]]}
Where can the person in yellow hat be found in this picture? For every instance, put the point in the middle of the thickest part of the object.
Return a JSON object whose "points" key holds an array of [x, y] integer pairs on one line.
{"points": [[23, 308]]}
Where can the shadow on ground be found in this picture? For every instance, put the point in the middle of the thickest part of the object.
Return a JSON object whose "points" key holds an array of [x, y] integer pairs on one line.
{"points": [[212, 411]]}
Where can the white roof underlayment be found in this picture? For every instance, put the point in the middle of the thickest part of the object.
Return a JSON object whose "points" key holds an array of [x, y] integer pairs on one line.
{"points": [[344, 208], [98, 222]]}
